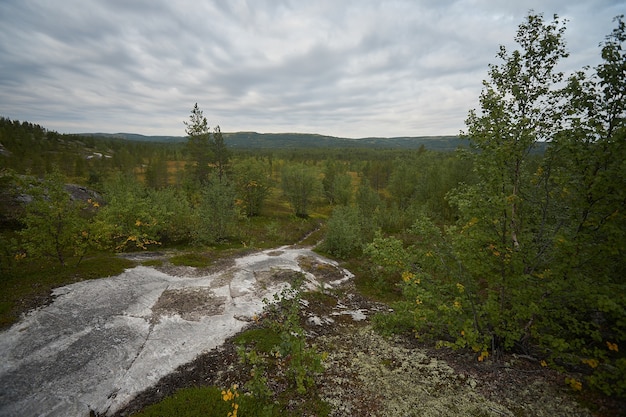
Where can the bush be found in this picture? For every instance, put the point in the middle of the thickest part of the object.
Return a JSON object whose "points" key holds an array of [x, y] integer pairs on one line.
{"points": [[343, 235]]}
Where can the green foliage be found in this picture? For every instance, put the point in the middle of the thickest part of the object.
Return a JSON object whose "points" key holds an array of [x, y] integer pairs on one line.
{"points": [[535, 261], [403, 182], [221, 153], [300, 184], [199, 144], [196, 402], [55, 226], [173, 212], [505, 220], [194, 259], [587, 165], [261, 339], [135, 217], [208, 152], [130, 219], [217, 214], [30, 281], [290, 360], [387, 258], [343, 234], [371, 208], [388, 253], [157, 176], [33, 150], [337, 184], [253, 182]]}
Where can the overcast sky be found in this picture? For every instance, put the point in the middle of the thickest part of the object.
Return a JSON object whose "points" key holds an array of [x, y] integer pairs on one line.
{"points": [[343, 68]]}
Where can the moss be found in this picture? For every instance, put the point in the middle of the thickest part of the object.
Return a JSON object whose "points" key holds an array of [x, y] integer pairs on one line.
{"points": [[384, 378], [28, 285], [261, 338], [193, 259], [208, 402], [153, 262]]}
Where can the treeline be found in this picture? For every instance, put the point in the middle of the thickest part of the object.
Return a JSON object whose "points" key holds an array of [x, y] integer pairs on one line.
{"points": [[143, 195], [29, 148]]}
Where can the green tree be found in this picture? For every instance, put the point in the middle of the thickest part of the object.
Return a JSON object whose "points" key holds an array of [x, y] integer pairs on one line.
{"points": [[217, 213], [343, 236], [300, 184], [129, 219], [502, 239], [371, 208], [199, 144], [403, 182], [174, 214], [253, 182], [156, 172], [377, 172], [221, 154], [589, 176], [55, 224], [536, 259], [337, 184]]}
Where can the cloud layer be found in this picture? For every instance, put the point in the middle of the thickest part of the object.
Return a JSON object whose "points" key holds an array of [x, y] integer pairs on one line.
{"points": [[346, 68]]}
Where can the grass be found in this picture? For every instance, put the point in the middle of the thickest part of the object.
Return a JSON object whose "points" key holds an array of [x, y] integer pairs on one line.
{"points": [[207, 402], [29, 282], [153, 262], [371, 285], [194, 259], [319, 298], [262, 339], [268, 231]]}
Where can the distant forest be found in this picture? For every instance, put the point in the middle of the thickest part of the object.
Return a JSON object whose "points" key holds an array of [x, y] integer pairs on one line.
{"points": [[254, 140]]}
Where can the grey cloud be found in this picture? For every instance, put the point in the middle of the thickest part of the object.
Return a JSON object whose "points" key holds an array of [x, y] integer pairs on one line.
{"points": [[351, 68]]}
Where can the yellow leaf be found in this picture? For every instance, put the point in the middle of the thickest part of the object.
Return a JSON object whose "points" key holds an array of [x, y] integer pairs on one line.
{"points": [[407, 276], [612, 346], [591, 362], [575, 384]]}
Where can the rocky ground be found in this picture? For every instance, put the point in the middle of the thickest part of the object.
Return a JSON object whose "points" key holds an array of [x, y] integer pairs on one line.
{"points": [[365, 374], [370, 375]]}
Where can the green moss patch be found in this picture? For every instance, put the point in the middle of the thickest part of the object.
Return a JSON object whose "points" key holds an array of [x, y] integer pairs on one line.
{"points": [[29, 284]]}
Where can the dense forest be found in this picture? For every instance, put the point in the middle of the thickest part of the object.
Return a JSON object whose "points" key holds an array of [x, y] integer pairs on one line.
{"points": [[514, 243]]}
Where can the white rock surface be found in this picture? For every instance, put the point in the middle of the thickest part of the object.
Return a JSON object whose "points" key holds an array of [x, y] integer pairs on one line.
{"points": [[101, 342]]}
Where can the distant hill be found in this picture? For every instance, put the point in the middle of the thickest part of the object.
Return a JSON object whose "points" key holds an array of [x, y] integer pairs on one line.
{"points": [[254, 140], [135, 137]]}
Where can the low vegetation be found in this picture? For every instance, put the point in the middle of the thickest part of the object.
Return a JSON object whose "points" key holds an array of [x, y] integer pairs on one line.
{"points": [[28, 285]]}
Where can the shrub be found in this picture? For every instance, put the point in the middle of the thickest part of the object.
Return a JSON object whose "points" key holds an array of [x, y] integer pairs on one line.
{"points": [[343, 235]]}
